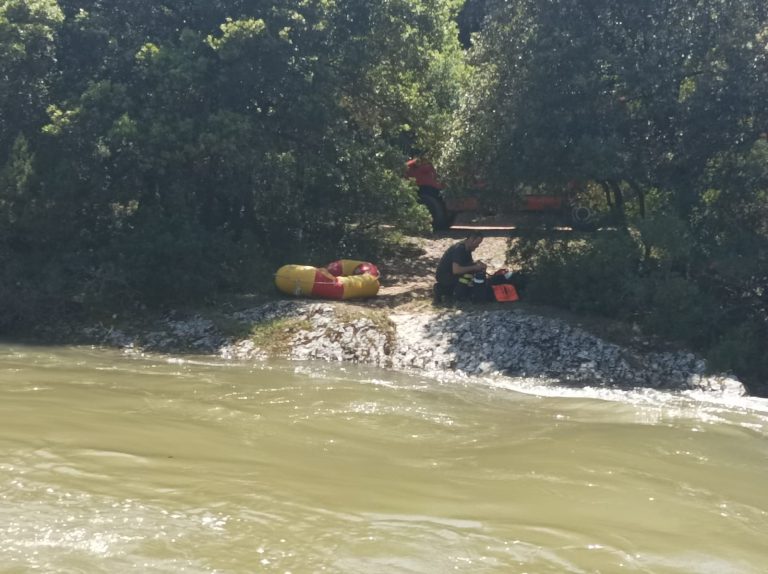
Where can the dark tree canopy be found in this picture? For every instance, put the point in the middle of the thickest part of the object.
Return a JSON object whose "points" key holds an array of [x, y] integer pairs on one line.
{"points": [[152, 150]]}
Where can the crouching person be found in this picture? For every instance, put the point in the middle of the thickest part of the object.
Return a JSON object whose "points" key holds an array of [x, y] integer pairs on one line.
{"points": [[457, 268]]}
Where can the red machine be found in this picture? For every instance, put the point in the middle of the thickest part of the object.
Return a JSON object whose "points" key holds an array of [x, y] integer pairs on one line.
{"points": [[445, 209]]}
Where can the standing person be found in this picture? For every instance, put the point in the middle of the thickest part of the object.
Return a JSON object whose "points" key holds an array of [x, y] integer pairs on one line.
{"points": [[456, 267]]}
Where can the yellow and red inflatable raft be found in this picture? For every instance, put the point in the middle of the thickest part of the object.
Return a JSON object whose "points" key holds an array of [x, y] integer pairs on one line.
{"points": [[342, 279]]}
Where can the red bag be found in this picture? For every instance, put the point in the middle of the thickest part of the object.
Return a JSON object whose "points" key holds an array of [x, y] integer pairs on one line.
{"points": [[505, 292]]}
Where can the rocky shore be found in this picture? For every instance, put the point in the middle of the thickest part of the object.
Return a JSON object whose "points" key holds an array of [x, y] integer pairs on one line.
{"points": [[466, 342]]}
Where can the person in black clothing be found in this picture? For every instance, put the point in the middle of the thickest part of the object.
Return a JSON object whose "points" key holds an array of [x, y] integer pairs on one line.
{"points": [[457, 262]]}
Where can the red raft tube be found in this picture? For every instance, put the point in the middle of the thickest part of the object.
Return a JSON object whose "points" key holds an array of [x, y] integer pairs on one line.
{"points": [[342, 279]]}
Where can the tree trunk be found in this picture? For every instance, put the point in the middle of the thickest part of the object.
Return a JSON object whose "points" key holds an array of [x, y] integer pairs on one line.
{"points": [[640, 197], [607, 191], [618, 201]]}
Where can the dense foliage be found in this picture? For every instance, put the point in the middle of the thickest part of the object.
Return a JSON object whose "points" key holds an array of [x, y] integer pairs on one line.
{"points": [[157, 152], [661, 103]]}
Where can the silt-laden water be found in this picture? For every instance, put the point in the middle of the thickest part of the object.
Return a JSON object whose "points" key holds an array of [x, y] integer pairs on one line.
{"points": [[114, 463]]}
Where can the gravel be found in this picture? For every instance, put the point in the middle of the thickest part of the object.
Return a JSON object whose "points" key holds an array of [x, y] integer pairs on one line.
{"points": [[471, 343]]}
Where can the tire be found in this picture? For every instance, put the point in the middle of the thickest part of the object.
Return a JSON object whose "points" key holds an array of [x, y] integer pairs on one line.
{"points": [[441, 217], [582, 217]]}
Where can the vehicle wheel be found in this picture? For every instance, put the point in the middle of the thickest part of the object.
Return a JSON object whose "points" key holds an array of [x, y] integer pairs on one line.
{"points": [[582, 217], [441, 217]]}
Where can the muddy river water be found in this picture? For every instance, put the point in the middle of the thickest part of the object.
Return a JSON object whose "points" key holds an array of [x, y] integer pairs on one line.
{"points": [[129, 463]]}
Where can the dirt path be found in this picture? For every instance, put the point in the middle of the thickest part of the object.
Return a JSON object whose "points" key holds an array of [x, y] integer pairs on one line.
{"points": [[411, 275]]}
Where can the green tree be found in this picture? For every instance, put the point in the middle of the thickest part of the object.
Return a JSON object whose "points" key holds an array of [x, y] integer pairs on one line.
{"points": [[188, 143], [28, 34], [635, 94], [663, 101]]}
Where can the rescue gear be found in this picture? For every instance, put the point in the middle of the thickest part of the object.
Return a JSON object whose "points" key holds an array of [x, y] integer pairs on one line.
{"points": [[505, 292]]}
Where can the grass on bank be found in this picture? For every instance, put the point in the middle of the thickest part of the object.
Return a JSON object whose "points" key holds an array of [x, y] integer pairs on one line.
{"points": [[275, 337]]}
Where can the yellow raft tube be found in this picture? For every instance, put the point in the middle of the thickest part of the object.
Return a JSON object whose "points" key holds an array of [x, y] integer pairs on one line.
{"points": [[342, 279]]}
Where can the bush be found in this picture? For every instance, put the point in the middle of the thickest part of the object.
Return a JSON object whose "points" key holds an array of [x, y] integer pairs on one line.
{"points": [[171, 260], [583, 275], [666, 241], [742, 350], [156, 263], [36, 289], [675, 308]]}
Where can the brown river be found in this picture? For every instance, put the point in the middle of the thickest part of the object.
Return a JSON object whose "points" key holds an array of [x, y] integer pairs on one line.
{"points": [[117, 463]]}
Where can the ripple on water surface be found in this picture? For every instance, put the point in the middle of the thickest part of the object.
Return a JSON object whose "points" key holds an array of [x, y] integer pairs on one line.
{"points": [[114, 463]]}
